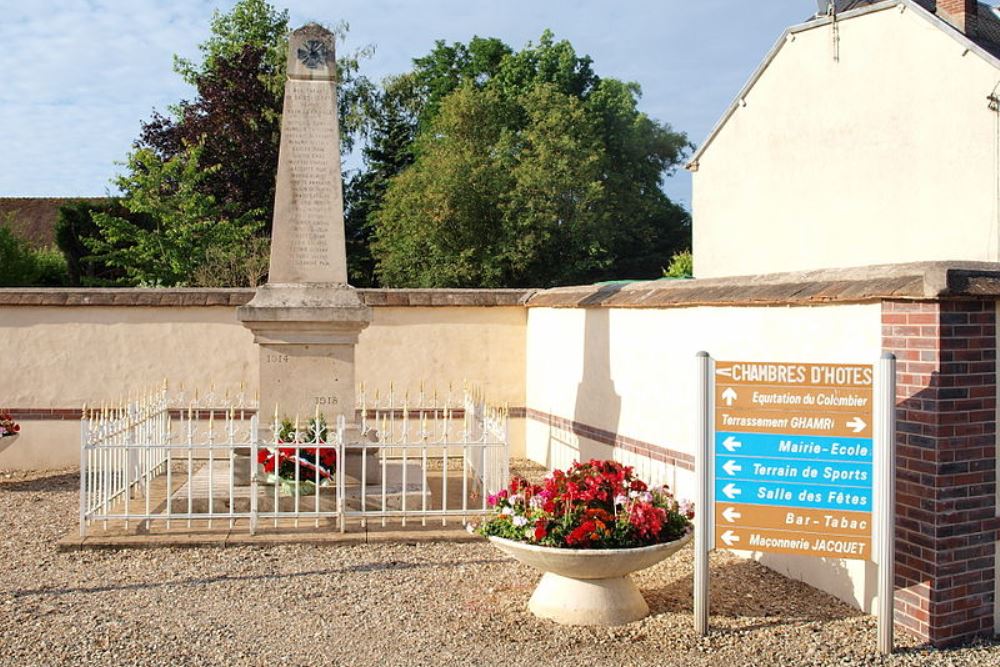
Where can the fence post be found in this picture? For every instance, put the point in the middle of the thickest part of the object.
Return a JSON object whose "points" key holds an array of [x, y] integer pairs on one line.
{"points": [[254, 446], [83, 472], [341, 473]]}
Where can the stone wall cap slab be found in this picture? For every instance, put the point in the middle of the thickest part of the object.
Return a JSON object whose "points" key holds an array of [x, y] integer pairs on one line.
{"points": [[918, 280], [237, 296]]}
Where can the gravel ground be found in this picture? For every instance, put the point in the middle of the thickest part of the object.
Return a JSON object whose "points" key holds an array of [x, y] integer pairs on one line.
{"points": [[454, 604]]}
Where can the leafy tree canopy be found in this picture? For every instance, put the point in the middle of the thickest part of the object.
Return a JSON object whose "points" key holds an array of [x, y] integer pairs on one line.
{"points": [[522, 169], [24, 266], [188, 224], [75, 225], [251, 23]]}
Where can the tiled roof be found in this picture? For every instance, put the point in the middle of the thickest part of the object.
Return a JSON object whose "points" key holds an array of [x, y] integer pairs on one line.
{"points": [[34, 218], [987, 28]]}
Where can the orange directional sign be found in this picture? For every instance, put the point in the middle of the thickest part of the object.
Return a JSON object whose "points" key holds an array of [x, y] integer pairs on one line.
{"points": [[793, 458], [804, 421], [790, 542]]}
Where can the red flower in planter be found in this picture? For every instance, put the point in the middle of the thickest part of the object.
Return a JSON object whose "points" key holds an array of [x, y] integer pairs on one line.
{"points": [[541, 529], [592, 505]]}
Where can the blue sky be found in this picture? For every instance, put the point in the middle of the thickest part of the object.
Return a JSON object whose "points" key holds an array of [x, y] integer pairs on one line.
{"points": [[77, 76]]}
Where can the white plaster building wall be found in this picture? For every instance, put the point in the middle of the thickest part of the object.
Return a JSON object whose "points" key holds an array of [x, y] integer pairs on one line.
{"points": [[887, 154], [63, 357], [633, 372]]}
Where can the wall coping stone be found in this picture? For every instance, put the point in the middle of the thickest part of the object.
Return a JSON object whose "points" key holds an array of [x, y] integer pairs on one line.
{"points": [[866, 284], [918, 281], [232, 297]]}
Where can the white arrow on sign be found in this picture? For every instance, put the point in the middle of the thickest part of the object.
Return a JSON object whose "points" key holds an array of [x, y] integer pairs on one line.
{"points": [[728, 372], [731, 444], [731, 467], [730, 538], [731, 491], [729, 395], [857, 424], [731, 515]]}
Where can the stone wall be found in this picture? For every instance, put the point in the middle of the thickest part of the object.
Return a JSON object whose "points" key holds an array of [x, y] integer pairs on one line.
{"points": [[65, 348]]}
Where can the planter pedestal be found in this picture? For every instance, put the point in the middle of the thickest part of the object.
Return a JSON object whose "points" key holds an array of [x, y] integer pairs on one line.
{"points": [[569, 601]]}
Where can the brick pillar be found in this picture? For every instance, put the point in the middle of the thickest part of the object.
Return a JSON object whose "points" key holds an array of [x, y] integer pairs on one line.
{"points": [[946, 506], [963, 14]]}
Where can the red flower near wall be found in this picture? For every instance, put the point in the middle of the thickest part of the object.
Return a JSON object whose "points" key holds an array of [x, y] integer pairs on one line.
{"points": [[8, 427]]}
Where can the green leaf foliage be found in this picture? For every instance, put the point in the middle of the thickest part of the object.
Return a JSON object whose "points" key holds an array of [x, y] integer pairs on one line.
{"points": [[681, 266], [74, 226], [24, 266], [187, 223], [254, 23], [524, 169]]}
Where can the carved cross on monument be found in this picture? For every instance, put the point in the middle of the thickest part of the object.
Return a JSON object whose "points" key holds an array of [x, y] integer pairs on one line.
{"points": [[306, 319]]}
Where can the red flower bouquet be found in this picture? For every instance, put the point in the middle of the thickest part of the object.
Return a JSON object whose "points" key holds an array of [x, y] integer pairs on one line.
{"points": [[302, 458], [593, 505], [8, 427]]}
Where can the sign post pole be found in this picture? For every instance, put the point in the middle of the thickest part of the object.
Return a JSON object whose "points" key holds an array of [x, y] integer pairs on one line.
{"points": [[703, 540], [885, 491]]}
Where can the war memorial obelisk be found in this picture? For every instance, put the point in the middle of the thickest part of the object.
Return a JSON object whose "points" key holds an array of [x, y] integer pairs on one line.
{"points": [[306, 319]]}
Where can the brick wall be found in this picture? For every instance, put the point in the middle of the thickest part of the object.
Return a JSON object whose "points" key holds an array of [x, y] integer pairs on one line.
{"points": [[962, 14], [946, 523]]}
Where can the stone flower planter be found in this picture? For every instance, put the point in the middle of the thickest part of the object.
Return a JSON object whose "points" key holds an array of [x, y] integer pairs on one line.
{"points": [[588, 586]]}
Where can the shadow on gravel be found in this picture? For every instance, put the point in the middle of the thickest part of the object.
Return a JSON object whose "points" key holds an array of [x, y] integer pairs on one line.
{"points": [[56, 483], [225, 578], [748, 589]]}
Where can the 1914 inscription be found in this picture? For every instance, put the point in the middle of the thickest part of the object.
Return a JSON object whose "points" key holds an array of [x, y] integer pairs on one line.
{"points": [[310, 137]]}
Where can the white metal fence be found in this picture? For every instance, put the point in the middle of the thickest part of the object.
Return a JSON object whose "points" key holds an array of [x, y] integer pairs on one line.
{"points": [[149, 463]]}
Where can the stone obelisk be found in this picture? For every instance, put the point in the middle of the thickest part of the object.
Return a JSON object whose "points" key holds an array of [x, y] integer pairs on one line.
{"points": [[306, 319]]}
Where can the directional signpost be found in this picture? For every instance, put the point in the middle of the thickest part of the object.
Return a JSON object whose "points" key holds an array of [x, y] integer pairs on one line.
{"points": [[788, 463], [793, 458]]}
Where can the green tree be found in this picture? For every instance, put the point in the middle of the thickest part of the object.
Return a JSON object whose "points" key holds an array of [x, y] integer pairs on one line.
{"points": [[681, 266], [250, 23], [387, 152], [525, 169], [74, 226], [187, 223], [24, 266]]}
